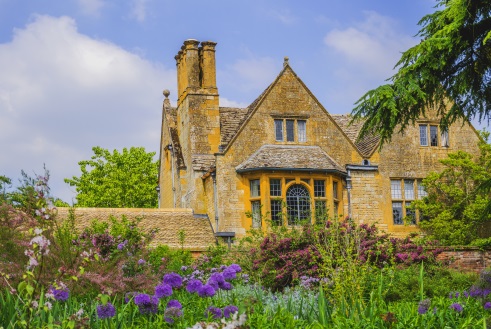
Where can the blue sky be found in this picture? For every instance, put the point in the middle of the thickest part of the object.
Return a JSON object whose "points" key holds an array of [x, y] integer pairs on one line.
{"points": [[82, 73]]}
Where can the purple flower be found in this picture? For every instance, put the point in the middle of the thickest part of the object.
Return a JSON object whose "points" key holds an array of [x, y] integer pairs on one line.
{"points": [[226, 286], [147, 304], [206, 291], [59, 294], [245, 278], [128, 296], [229, 274], [457, 307], [163, 290], [106, 311], [171, 314], [235, 267], [184, 268], [212, 283], [229, 310], [193, 285], [173, 279], [174, 303], [141, 261], [487, 305], [424, 306], [217, 277], [213, 311]]}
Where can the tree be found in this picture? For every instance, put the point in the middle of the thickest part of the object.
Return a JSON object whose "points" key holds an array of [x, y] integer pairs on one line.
{"points": [[117, 180], [455, 204], [449, 71]]}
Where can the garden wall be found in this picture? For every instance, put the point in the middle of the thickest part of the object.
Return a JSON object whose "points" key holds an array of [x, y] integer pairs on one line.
{"points": [[198, 231], [469, 259]]}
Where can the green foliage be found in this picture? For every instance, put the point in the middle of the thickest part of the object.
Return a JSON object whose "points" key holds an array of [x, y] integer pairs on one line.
{"points": [[448, 71], [403, 283], [117, 180], [455, 206], [164, 259]]}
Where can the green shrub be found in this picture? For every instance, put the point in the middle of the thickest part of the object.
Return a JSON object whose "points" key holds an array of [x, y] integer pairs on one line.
{"points": [[164, 259]]}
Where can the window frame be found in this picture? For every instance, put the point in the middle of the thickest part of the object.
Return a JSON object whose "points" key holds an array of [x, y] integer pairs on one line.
{"points": [[431, 135], [290, 130], [403, 196]]}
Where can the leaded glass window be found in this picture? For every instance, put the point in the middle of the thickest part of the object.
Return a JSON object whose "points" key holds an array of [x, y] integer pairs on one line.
{"points": [[423, 135], [395, 188], [275, 187], [255, 188], [290, 135], [409, 189], [434, 135], [278, 128], [397, 213], [319, 188], [277, 212], [302, 131], [298, 204], [256, 214]]}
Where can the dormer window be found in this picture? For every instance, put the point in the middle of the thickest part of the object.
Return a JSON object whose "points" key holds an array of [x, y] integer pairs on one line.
{"points": [[290, 130]]}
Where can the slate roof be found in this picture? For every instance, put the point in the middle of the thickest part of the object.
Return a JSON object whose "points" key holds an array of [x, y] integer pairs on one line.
{"points": [[365, 145], [290, 157], [202, 162]]}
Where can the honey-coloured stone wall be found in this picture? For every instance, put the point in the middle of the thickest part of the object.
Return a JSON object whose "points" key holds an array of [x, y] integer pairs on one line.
{"points": [[198, 231]]}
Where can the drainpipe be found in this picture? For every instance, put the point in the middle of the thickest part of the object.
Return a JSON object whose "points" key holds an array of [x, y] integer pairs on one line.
{"points": [[215, 198], [348, 186], [171, 149]]}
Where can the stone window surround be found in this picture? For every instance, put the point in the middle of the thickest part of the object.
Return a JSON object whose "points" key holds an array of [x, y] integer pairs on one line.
{"points": [[267, 201], [286, 118], [442, 137], [403, 196]]}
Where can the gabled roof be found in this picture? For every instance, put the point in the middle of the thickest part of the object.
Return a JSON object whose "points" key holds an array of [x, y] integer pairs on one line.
{"points": [[290, 157], [366, 145]]}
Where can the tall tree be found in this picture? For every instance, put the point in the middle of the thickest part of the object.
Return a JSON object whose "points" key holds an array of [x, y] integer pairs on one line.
{"points": [[117, 180], [449, 71]]}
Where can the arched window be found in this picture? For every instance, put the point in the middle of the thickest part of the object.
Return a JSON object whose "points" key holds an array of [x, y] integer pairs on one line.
{"points": [[298, 204]]}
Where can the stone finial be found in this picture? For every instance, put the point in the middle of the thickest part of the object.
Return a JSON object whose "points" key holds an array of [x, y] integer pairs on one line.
{"points": [[285, 61], [166, 93]]}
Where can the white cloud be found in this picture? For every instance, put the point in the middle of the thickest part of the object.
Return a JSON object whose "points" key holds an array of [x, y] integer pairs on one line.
{"points": [[374, 46], [139, 10], [361, 57], [91, 7], [62, 92]]}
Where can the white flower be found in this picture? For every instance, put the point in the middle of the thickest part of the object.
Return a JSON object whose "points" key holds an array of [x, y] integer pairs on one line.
{"points": [[48, 305], [34, 304], [38, 230]]}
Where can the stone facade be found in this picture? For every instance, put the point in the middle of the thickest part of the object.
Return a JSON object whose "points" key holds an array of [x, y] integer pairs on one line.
{"points": [[168, 222], [285, 157]]}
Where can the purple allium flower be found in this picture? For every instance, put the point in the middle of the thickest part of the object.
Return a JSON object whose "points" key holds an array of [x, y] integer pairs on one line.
{"points": [[487, 305], [128, 296], [457, 307], [206, 291], [174, 303], [424, 306], [141, 262], [226, 286], [173, 279], [217, 277], [193, 285], [106, 311], [147, 304], [229, 310], [163, 290], [213, 270], [223, 267], [215, 312], [59, 294], [229, 274], [466, 294], [212, 283], [171, 314], [235, 267], [184, 268]]}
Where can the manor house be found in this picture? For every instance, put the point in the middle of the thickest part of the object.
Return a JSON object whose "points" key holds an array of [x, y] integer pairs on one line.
{"points": [[285, 159]]}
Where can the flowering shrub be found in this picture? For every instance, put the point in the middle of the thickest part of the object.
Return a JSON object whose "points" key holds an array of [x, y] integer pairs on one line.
{"points": [[282, 260]]}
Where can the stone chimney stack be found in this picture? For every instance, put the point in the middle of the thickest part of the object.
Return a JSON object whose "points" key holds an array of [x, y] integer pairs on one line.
{"points": [[196, 69], [208, 66]]}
